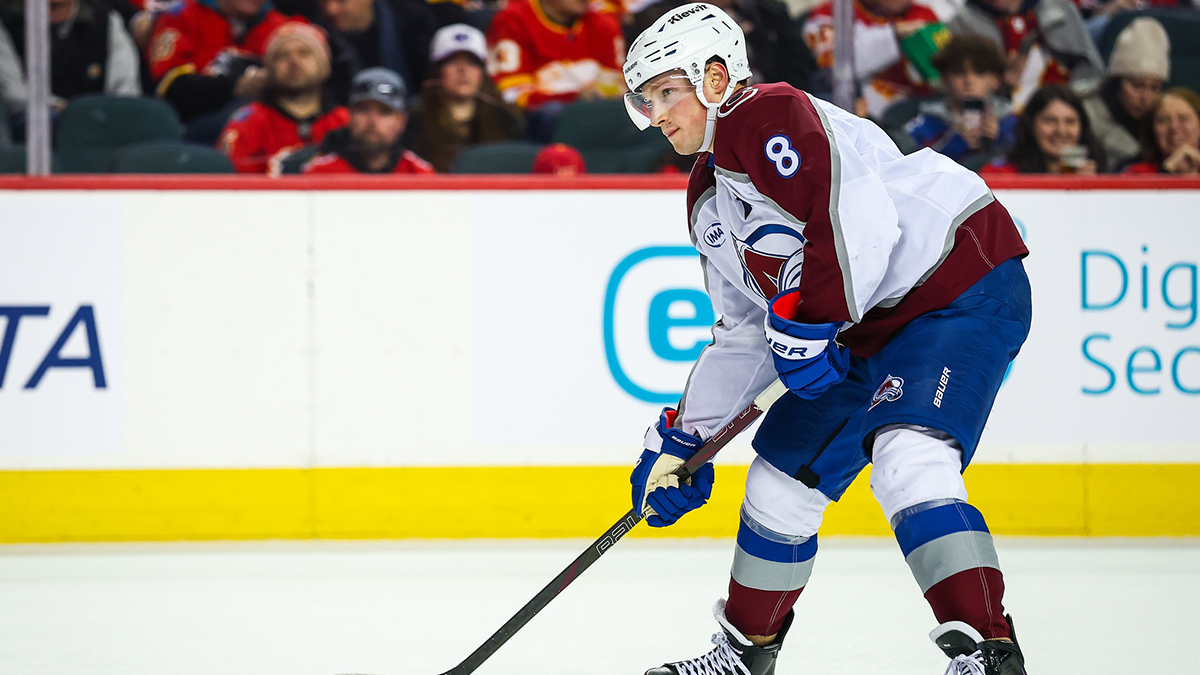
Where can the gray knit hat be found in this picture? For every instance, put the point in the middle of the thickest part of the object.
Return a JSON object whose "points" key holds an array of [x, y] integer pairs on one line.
{"points": [[1142, 50]]}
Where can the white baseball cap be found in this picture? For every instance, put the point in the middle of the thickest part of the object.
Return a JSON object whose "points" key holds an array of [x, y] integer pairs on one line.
{"points": [[455, 38]]}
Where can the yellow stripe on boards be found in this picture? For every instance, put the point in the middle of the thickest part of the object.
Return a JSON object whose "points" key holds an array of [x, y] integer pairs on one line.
{"points": [[361, 503]]}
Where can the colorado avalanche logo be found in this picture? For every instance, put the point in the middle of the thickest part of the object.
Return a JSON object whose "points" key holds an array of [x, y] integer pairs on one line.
{"points": [[891, 389], [771, 259]]}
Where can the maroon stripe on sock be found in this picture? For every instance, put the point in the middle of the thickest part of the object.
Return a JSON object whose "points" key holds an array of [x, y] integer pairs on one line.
{"points": [[974, 597], [756, 612]]}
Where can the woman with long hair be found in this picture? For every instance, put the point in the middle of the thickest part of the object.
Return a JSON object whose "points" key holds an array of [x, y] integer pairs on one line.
{"points": [[1053, 135], [1171, 135]]}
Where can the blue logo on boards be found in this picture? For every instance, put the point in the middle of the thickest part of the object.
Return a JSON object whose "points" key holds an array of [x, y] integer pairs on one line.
{"points": [[659, 322], [84, 319]]}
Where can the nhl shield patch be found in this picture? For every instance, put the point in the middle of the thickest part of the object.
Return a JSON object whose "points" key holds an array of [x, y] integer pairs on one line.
{"points": [[891, 389]]}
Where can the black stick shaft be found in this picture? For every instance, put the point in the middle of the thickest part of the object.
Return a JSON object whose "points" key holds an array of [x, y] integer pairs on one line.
{"points": [[613, 535]]}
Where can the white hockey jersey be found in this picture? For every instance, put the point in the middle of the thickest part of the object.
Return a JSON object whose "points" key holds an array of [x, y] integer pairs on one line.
{"points": [[800, 194]]}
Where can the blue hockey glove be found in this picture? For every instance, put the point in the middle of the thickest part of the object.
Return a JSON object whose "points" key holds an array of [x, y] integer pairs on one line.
{"points": [[653, 480], [806, 355]]}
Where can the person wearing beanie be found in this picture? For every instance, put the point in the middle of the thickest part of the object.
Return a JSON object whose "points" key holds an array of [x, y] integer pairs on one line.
{"points": [[459, 107], [205, 57], [1138, 69], [294, 110], [372, 141]]}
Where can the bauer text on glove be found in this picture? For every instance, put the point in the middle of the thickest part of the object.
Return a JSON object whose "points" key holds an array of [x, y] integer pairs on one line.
{"points": [[806, 355]]}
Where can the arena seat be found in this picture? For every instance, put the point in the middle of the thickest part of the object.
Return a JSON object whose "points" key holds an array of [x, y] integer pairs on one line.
{"points": [[607, 139], [506, 157], [170, 157], [12, 160], [92, 128]]}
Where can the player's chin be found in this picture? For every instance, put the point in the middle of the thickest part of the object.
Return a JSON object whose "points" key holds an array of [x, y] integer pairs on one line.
{"points": [[683, 146]]}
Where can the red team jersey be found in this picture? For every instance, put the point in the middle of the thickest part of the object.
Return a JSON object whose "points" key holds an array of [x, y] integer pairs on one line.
{"points": [[1022, 38], [259, 132], [331, 162], [886, 75], [189, 35], [535, 61]]}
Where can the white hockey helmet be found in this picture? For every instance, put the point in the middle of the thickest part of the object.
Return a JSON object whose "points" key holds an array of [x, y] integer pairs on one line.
{"points": [[685, 39]]}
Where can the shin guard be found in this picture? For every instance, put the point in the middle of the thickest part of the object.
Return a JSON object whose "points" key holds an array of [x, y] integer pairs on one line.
{"points": [[950, 552], [769, 572]]}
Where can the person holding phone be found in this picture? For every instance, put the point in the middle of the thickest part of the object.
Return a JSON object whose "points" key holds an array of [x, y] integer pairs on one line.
{"points": [[972, 122]]}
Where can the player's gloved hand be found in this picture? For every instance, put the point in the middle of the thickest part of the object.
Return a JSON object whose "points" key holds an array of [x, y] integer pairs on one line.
{"points": [[806, 355], [653, 480]]}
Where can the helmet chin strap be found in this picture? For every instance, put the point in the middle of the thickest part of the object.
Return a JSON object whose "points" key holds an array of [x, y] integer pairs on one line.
{"points": [[710, 118]]}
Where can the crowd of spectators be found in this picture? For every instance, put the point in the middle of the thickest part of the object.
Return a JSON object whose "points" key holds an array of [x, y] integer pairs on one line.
{"points": [[405, 86]]}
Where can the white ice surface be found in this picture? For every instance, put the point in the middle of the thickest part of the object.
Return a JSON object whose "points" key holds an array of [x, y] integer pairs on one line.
{"points": [[397, 608]]}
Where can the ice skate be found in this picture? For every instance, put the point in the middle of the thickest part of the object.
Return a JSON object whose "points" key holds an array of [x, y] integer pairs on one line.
{"points": [[970, 654], [733, 654]]}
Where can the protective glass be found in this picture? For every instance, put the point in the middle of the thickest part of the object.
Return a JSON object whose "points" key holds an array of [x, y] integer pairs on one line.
{"points": [[657, 96]]}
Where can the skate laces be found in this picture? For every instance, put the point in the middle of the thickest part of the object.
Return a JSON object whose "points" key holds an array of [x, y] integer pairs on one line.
{"points": [[967, 664], [724, 660]]}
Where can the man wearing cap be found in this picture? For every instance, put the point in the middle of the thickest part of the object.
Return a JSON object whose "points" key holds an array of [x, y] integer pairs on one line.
{"points": [[1138, 69], [458, 108], [371, 142], [294, 111]]}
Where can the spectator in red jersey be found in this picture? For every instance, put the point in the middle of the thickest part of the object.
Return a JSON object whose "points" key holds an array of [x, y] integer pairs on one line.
{"points": [[293, 112], [1171, 135], [547, 53], [392, 34], [1045, 42], [459, 108], [885, 70], [1053, 136], [1138, 70], [205, 56], [371, 142]]}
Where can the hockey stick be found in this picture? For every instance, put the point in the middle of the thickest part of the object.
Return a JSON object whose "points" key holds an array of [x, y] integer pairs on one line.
{"points": [[599, 547]]}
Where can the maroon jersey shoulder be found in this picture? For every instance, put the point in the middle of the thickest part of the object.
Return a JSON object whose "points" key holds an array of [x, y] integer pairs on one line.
{"points": [[699, 181]]}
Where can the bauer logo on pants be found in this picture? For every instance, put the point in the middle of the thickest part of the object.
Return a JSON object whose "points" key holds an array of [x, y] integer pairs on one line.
{"points": [[891, 389]]}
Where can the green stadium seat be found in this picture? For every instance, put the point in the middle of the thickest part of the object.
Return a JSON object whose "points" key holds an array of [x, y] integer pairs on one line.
{"points": [[92, 128], [901, 112], [903, 141], [170, 157], [607, 139], [1183, 28], [12, 160], [507, 157], [624, 160]]}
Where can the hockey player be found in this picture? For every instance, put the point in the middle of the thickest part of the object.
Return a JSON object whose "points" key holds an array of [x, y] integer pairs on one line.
{"points": [[886, 291]]}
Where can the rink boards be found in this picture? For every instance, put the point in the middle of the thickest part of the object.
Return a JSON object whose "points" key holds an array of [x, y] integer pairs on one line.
{"points": [[239, 362]]}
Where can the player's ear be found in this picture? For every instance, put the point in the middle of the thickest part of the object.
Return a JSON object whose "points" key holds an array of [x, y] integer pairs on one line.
{"points": [[716, 79]]}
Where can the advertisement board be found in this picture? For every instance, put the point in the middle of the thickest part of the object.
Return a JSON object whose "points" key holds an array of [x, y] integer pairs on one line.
{"points": [[516, 328], [245, 363]]}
